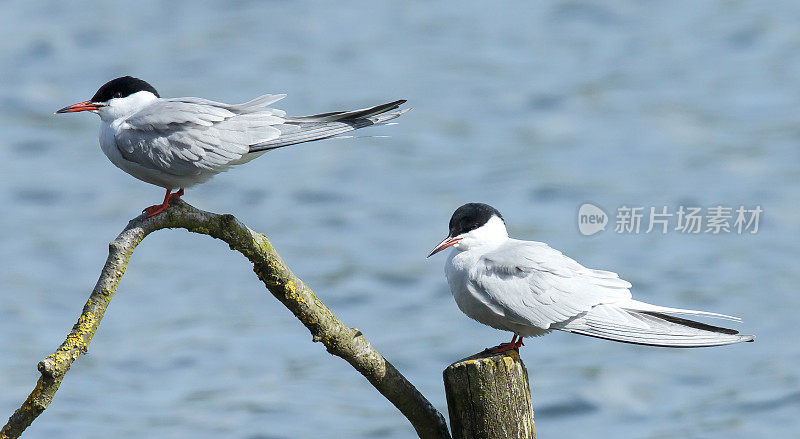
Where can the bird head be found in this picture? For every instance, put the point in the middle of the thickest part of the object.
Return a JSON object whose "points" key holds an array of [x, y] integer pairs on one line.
{"points": [[473, 225], [117, 98]]}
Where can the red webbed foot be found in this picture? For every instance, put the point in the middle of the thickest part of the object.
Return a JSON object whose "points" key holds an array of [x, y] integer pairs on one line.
{"points": [[503, 347], [158, 208]]}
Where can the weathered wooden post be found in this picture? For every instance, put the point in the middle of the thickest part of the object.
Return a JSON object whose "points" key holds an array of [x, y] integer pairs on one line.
{"points": [[488, 397]]}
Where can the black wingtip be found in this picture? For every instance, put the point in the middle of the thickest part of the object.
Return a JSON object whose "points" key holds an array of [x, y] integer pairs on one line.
{"points": [[693, 324], [373, 111]]}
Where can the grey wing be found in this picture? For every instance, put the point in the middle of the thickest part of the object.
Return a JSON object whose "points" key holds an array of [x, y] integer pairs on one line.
{"points": [[193, 136], [533, 284]]}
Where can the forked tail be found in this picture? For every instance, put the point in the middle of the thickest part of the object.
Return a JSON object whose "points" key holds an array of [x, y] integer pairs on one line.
{"points": [[322, 126]]}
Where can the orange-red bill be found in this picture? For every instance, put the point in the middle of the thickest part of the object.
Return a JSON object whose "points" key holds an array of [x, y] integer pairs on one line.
{"points": [[80, 106], [446, 242]]}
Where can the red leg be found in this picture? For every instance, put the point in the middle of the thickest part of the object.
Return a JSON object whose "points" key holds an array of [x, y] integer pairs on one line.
{"points": [[503, 347], [176, 195], [158, 208]]}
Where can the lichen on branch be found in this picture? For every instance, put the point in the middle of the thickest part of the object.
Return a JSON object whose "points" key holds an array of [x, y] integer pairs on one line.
{"points": [[338, 338]]}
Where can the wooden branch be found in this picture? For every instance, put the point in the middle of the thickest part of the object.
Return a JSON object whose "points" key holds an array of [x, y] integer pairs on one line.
{"points": [[488, 397], [338, 338]]}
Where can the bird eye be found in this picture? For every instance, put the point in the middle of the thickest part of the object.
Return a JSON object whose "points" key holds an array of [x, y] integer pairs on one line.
{"points": [[118, 94]]}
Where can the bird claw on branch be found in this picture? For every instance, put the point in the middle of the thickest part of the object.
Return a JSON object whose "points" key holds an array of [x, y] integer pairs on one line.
{"points": [[339, 339]]}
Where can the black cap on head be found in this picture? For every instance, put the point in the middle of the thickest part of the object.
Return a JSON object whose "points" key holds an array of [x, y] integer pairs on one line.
{"points": [[471, 216], [122, 87]]}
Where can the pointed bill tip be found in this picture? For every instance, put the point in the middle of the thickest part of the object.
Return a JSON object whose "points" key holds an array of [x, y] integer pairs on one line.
{"points": [[446, 242], [80, 106]]}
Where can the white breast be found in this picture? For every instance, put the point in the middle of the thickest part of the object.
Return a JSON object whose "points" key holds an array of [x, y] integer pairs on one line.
{"points": [[153, 176], [476, 303]]}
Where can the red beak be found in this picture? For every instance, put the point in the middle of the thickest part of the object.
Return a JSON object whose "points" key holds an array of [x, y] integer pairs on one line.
{"points": [[80, 106], [446, 242]]}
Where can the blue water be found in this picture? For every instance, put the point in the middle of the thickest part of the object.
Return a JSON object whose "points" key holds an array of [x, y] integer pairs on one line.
{"points": [[534, 109]]}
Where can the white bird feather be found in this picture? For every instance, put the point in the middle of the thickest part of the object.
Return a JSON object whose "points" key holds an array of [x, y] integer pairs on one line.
{"points": [[180, 142], [530, 289]]}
